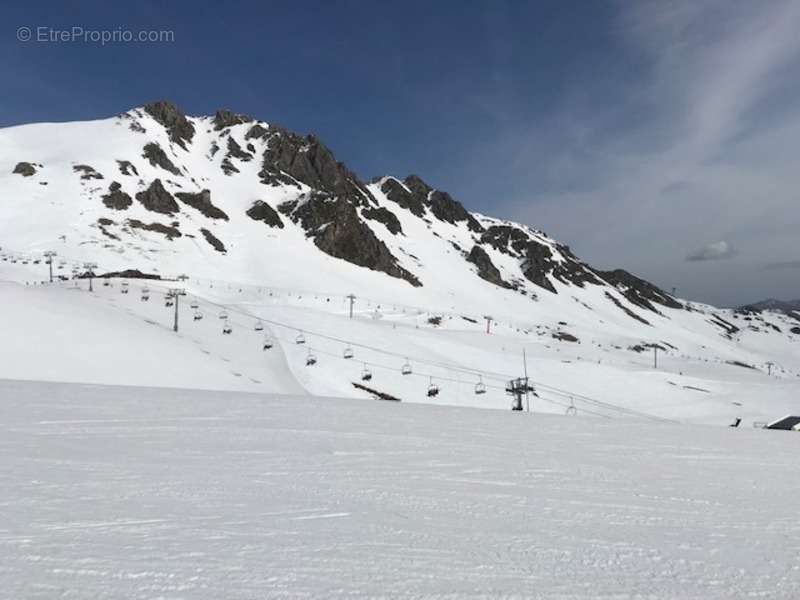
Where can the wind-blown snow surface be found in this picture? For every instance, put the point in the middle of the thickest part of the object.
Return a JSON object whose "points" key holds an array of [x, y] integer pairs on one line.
{"points": [[114, 492]]}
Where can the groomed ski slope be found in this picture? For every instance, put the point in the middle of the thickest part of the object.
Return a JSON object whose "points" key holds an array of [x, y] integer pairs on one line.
{"points": [[115, 492]]}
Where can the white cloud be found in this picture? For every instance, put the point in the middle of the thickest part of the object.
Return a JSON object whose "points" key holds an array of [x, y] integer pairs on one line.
{"points": [[713, 251]]}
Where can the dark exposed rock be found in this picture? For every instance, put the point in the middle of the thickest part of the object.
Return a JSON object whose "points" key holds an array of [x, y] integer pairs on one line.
{"points": [[158, 158], [256, 131], [102, 225], [170, 232], [435, 321], [227, 166], [214, 148], [202, 202], [235, 150], [397, 193], [25, 169], [87, 172], [625, 309], [211, 239], [638, 291], [129, 274], [795, 330], [506, 239], [441, 204], [385, 216], [155, 198], [174, 121], [126, 167], [261, 211], [225, 118], [649, 346], [337, 230], [724, 324], [376, 394], [307, 160], [563, 336], [537, 264], [486, 269], [116, 198], [738, 363]]}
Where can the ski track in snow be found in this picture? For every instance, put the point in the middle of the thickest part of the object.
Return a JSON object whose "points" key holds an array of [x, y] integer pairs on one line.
{"points": [[115, 492]]}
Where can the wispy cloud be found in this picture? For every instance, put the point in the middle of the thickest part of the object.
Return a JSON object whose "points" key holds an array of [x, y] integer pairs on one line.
{"points": [[713, 251], [786, 264]]}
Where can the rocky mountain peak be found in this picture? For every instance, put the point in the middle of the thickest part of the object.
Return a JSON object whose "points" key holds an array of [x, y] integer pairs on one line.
{"points": [[180, 129]]}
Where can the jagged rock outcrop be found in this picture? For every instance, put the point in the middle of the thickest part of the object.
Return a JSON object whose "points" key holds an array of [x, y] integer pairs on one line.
{"points": [[261, 211], [337, 230], [25, 169], [213, 240], [202, 201], [399, 194], [179, 128], [504, 238], [307, 160], [126, 167], [158, 158], [170, 232], [226, 118], [385, 216], [87, 172], [486, 269], [638, 291], [116, 198], [155, 198]]}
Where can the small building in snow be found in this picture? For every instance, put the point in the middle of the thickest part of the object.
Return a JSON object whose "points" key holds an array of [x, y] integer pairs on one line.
{"points": [[787, 423]]}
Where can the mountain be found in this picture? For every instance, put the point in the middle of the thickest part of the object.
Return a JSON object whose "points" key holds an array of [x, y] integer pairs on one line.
{"points": [[270, 221], [771, 304]]}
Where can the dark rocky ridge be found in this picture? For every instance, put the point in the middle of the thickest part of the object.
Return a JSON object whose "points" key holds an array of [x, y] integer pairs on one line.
{"points": [[155, 198], [337, 230], [180, 130], [385, 216], [486, 269], [211, 239], [202, 201], [261, 211], [170, 232], [125, 167], [226, 118], [158, 158], [87, 172], [638, 291]]}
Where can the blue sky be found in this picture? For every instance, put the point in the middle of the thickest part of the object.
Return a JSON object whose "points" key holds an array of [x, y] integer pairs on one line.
{"points": [[659, 137]]}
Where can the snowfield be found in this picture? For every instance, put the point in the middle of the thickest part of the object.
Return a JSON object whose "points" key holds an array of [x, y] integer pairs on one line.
{"points": [[117, 492]]}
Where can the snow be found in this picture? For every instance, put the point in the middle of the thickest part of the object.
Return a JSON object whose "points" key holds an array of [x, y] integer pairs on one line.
{"points": [[112, 492]]}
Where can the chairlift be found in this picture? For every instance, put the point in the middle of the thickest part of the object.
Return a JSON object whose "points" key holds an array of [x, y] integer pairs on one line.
{"points": [[145, 294], [226, 328], [198, 316], [366, 374], [194, 305], [168, 301], [300, 339], [268, 343], [223, 315], [480, 387], [310, 359], [124, 287], [348, 352], [406, 368], [106, 283], [433, 389], [259, 326]]}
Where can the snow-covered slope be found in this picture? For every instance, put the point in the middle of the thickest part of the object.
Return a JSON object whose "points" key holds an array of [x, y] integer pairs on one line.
{"points": [[146, 493], [267, 223]]}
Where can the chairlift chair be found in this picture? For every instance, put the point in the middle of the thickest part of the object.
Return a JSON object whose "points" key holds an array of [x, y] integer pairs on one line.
{"points": [[259, 326], [194, 305], [310, 359], [106, 283], [223, 315], [366, 374], [226, 328], [198, 316], [300, 339], [406, 368], [145, 294], [124, 287], [480, 387], [268, 343], [168, 301], [433, 389], [348, 353]]}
